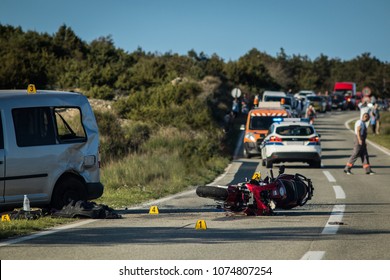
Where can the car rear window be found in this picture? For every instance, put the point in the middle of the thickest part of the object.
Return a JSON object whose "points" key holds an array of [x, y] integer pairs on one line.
{"points": [[295, 130], [314, 98]]}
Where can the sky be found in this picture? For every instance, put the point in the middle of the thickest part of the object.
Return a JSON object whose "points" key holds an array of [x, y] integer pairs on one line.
{"points": [[341, 29]]}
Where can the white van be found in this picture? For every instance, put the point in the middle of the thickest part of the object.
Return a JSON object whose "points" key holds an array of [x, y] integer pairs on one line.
{"points": [[49, 146]]}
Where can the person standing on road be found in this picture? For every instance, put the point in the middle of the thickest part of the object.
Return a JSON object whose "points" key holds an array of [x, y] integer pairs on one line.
{"points": [[310, 114], [235, 107], [375, 112], [373, 121], [360, 147]]}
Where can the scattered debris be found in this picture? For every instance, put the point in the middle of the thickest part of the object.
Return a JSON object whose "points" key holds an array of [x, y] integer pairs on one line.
{"points": [[86, 209], [75, 209]]}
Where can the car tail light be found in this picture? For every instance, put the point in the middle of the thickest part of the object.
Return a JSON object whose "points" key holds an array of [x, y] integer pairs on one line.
{"points": [[315, 139]]}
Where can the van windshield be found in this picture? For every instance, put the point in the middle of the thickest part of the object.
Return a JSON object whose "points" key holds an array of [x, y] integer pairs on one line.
{"points": [[261, 122]]}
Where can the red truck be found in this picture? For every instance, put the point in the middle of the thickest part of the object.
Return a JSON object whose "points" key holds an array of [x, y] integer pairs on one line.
{"points": [[348, 90]]}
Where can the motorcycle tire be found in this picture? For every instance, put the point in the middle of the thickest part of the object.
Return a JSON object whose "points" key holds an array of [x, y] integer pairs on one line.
{"points": [[213, 192]]}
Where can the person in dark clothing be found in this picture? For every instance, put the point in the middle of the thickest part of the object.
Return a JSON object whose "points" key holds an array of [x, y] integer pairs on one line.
{"points": [[360, 147]]}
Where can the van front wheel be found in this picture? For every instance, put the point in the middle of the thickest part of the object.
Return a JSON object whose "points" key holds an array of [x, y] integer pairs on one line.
{"points": [[66, 190]]}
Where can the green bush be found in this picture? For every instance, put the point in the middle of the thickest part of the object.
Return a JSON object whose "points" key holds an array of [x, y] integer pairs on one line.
{"points": [[101, 92], [117, 140]]}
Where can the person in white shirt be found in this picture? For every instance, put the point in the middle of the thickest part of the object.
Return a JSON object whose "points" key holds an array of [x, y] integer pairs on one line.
{"points": [[360, 147]]}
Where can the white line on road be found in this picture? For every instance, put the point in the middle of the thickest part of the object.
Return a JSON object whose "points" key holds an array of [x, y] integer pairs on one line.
{"points": [[43, 233], [339, 192], [329, 176], [335, 219], [313, 255], [161, 200]]}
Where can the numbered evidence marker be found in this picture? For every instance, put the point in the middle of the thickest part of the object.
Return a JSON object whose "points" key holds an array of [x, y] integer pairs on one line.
{"points": [[153, 210], [31, 89], [5, 218], [201, 224]]}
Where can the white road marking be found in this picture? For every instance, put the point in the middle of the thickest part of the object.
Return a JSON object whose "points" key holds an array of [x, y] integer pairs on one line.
{"points": [[339, 192], [313, 255], [43, 233], [335, 219], [228, 175], [329, 176]]}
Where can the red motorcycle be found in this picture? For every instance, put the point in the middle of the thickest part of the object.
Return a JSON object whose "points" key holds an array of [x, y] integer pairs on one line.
{"points": [[261, 196]]}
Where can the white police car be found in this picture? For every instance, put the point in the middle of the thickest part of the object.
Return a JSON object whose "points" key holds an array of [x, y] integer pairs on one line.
{"points": [[291, 140]]}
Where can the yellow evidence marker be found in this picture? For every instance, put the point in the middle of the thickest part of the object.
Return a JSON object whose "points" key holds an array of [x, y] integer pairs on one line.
{"points": [[31, 89], [201, 224], [153, 210], [5, 218]]}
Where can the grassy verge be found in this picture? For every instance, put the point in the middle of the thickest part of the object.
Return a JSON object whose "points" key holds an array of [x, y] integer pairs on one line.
{"points": [[15, 228], [168, 164]]}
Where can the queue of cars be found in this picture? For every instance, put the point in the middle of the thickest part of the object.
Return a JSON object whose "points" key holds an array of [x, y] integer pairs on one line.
{"points": [[276, 132]]}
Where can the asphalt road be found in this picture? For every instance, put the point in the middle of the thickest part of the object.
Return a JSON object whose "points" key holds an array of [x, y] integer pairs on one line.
{"points": [[347, 219]]}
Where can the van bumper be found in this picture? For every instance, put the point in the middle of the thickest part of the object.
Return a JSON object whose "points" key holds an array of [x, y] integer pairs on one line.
{"points": [[95, 190]]}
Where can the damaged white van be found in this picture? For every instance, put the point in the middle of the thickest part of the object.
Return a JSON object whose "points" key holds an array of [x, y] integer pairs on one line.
{"points": [[49, 149]]}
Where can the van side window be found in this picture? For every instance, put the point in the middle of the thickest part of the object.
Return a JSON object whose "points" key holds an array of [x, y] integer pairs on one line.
{"points": [[69, 125], [33, 126], [1, 134]]}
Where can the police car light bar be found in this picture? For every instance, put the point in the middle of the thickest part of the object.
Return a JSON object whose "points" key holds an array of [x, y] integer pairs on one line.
{"points": [[296, 120]]}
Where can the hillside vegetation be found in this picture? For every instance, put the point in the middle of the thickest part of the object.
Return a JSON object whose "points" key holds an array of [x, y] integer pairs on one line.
{"points": [[160, 116]]}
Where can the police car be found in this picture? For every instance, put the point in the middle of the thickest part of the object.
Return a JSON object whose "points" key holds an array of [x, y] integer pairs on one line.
{"points": [[291, 140]]}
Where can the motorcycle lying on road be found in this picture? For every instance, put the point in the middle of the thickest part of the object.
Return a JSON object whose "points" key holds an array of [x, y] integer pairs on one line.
{"points": [[261, 196]]}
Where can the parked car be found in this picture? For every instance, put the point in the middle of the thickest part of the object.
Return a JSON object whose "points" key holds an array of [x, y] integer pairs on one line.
{"points": [[338, 101], [270, 95], [318, 102], [328, 101], [304, 93], [291, 140], [49, 148]]}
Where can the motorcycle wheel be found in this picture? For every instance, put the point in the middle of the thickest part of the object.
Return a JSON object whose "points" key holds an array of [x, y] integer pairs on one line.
{"points": [[216, 193]]}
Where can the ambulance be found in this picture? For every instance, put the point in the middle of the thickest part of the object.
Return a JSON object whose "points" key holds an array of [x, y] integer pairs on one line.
{"points": [[257, 125]]}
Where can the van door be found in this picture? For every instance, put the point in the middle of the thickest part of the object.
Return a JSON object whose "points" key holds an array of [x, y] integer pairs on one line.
{"points": [[2, 161], [30, 156]]}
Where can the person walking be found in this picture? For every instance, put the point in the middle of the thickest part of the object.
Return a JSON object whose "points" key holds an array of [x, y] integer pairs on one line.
{"points": [[375, 112], [310, 114], [235, 107], [373, 121], [256, 101], [360, 147]]}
